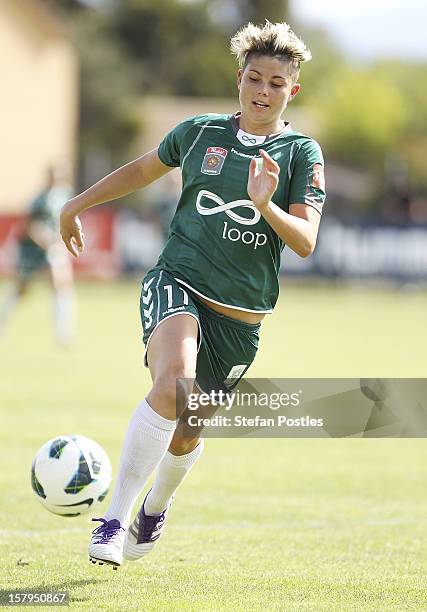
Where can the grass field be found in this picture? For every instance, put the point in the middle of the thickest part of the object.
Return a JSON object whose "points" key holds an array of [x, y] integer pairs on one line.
{"points": [[259, 524]]}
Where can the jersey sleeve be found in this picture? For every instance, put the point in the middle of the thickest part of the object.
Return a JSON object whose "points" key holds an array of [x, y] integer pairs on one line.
{"points": [[170, 150], [308, 179]]}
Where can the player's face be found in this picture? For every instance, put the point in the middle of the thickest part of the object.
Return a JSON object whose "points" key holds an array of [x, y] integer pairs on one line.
{"points": [[265, 88]]}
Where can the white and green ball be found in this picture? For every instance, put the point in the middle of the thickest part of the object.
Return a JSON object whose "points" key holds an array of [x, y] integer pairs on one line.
{"points": [[70, 475]]}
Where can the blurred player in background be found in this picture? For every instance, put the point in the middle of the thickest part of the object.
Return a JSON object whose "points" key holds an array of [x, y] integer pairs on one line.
{"points": [[250, 185], [40, 248]]}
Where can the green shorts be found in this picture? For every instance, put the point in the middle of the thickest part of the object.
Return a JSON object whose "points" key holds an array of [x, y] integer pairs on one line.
{"points": [[226, 347], [31, 259]]}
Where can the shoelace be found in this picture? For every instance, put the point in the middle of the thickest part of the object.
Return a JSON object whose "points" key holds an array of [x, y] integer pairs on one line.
{"points": [[106, 531], [149, 524]]}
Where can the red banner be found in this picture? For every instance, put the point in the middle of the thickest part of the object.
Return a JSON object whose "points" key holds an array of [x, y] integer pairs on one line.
{"points": [[10, 229], [99, 259]]}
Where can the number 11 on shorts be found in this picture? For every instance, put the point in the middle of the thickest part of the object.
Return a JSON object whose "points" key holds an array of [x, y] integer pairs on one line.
{"points": [[168, 289]]}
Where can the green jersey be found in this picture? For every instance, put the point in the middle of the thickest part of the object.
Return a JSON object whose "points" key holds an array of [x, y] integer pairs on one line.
{"points": [[219, 245]]}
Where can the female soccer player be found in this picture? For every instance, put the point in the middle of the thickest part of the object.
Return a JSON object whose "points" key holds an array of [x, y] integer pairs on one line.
{"points": [[40, 248], [251, 184]]}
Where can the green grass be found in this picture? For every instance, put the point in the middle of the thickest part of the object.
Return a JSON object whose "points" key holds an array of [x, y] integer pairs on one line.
{"points": [[259, 524]]}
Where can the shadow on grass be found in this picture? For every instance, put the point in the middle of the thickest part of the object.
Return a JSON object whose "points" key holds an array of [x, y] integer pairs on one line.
{"points": [[60, 587]]}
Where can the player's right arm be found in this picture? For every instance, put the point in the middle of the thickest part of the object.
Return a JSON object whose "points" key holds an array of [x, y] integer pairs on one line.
{"points": [[127, 179]]}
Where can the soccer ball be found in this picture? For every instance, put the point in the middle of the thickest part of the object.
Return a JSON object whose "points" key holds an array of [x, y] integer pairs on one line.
{"points": [[70, 475]]}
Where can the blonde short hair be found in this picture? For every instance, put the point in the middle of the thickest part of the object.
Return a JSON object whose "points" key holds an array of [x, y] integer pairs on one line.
{"points": [[273, 39]]}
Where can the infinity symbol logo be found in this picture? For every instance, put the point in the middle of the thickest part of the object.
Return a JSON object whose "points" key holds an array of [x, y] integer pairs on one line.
{"points": [[248, 139], [227, 208]]}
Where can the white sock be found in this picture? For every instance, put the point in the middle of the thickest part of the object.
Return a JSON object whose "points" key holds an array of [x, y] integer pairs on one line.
{"points": [[147, 440], [63, 312], [170, 473]]}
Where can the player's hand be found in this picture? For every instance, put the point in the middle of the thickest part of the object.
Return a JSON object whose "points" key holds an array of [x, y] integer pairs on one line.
{"points": [[71, 232], [262, 185]]}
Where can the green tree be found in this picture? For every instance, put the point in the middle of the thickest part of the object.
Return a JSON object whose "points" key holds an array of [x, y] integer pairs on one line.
{"points": [[108, 89], [410, 80], [178, 46], [258, 11], [69, 5], [109, 121], [362, 117], [183, 48], [316, 74]]}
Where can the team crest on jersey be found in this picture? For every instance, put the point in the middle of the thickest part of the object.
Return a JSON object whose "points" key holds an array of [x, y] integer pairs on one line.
{"points": [[213, 160]]}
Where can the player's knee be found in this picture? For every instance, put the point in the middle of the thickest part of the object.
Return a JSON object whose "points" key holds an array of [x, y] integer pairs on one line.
{"points": [[170, 392]]}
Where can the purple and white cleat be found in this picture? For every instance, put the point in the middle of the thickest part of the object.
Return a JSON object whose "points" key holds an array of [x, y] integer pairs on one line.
{"points": [[143, 533], [107, 542]]}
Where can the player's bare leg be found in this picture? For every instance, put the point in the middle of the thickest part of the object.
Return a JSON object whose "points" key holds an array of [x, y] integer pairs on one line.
{"points": [[172, 355], [184, 450], [180, 457], [61, 278]]}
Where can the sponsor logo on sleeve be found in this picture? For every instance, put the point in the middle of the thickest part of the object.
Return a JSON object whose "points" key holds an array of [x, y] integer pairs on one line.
{"points": [[318, 179], [213, 160]]}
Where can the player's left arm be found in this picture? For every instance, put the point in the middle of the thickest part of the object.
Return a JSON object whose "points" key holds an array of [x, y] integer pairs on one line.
{"points": [[299, 228]]}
